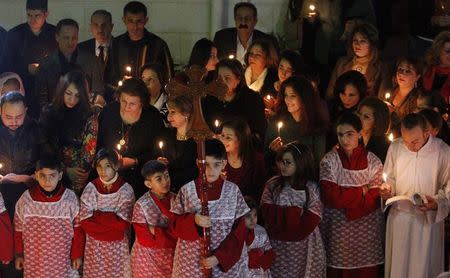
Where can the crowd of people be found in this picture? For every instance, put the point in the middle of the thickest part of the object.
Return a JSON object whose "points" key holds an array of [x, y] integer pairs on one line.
{"points": [[308, 174]]}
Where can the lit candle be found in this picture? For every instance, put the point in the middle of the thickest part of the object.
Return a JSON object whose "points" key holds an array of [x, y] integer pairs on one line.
{"points": [[312, 10], [231, 56], [161, 145], [120, 83], [391, 137], [384, 177], [268, 97], [118, 147], [387, 96], [1, 165], [127, 72], [280, 125], [216, 125]]}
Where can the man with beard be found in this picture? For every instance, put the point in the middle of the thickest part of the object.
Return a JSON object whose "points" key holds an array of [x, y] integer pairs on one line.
{"points": [[21, 143], [235, 41]]}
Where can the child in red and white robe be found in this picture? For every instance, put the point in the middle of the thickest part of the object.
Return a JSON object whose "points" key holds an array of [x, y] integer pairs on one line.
{"points": [[227, 226], [6, 235], [260, 252], [292, 212], [353, 224], [105, 214], [48, 239], [155, 244]]}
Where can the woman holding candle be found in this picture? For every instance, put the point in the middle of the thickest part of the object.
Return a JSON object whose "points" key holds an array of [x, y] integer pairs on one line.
{"points": [[363, 57], [180, 151], [245, 166], [375, 118], [239, 101], [71, 128], [352, 223], [300, 119], [261, 60], [135, 125], [406, 91], [152, 76]]}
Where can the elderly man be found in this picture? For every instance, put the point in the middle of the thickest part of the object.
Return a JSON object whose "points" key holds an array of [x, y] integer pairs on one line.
{"points": [[26, 45], [235, 41], [138, 46], [416, 163], [67, 58]]}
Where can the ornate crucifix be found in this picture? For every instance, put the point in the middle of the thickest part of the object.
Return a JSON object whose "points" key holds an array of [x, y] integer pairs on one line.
{"points": [[199, 131]]}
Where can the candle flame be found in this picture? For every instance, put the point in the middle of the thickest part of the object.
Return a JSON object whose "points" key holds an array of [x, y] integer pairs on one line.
{"points": [[268, 97], [118, 147], [128, 69], [231, 56], [216, 123], [387, 96], [391, 137], [120, 83], [1, 165], [161, 144], [312, 7], [280, 125], [384, 177]]}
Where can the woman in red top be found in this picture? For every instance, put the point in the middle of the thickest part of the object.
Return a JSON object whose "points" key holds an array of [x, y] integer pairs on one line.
{"points": [[352, 225], [245, 166]]}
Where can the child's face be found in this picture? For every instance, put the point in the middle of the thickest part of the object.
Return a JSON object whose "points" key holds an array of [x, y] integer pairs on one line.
{"points": [[48, 178], [158, 183], [214, 167], [105, 170], [251, 219], [287, 165]]}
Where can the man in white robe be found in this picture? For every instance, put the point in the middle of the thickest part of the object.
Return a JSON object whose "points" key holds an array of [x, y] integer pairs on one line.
{"points": [[416, 163]]}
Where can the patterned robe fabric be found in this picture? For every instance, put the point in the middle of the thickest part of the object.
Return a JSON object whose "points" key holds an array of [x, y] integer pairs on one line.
{"points": [[47, 230], [155, 260], [305, 258], [107, 258], [223, 212], [357, 243], [261, 241]]}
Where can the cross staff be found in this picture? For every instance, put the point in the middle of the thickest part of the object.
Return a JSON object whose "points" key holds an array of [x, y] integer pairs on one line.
{"points": [[199, 131]]}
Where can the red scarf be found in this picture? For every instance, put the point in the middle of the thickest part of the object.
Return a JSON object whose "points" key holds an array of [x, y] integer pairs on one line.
{"points": [[428, 80]]}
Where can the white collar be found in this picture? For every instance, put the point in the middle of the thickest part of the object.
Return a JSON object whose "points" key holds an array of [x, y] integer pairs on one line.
{"points": [[257, 85]]}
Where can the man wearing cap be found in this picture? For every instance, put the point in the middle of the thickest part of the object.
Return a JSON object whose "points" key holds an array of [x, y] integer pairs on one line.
{"points": [[235, 41], [27, 44]]}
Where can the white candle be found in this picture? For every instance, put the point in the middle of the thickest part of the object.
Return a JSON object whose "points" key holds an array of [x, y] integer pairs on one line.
{"points": [[280, 125]]}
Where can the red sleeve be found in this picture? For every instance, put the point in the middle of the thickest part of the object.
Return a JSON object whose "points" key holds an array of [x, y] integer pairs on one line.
{"points": [[6, 234], [18, 243], [78, 241], [288, 223], [161, 238], [105, 226], [230, 249], [184, 227], [338, 197], [370, 204]]}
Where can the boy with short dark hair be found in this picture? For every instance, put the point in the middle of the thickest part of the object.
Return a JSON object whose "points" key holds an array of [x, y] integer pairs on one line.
{"points": [[226, 205], [48, 239]]}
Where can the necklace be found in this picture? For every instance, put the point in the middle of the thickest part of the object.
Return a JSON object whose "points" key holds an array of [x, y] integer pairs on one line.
{"points": [[181, 137], [122, 140]]}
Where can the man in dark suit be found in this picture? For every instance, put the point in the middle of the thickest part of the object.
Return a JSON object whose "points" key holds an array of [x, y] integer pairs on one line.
{"points": [[26, 45], [100, 46], [138, 46], [66, 59], [235, 41]]}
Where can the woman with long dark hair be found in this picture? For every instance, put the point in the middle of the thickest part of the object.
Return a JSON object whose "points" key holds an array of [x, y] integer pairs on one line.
{"points": [[71, 128]]}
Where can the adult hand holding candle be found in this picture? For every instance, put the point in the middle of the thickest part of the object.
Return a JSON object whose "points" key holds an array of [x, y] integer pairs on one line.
{"points": [[385, 189]]}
